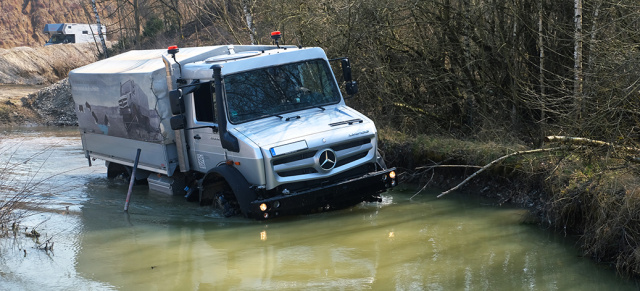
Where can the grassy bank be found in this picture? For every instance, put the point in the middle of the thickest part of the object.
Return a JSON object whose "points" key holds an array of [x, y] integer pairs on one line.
{"points": [[590, 192]]}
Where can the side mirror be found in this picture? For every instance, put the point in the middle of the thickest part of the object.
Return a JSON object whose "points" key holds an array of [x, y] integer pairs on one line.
{"points": [[178, 122], [346, 70], [351, 87], [177, 103]]}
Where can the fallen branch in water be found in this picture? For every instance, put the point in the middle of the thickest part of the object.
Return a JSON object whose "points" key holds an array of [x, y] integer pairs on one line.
{"points": [[432, 173], [518, 153], [572, 141]]}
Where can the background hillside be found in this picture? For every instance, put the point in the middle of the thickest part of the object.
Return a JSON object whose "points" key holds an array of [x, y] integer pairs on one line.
{"points": [[43, 65]]}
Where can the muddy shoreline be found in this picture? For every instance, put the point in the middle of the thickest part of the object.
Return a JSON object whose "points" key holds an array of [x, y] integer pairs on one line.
{"points": [[51, 105]]}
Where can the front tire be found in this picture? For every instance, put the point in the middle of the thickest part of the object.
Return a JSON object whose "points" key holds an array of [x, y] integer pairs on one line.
{"points": [[218, 194]]}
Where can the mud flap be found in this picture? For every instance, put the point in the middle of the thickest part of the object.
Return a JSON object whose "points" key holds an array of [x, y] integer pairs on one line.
{"points": [[239, 185]]}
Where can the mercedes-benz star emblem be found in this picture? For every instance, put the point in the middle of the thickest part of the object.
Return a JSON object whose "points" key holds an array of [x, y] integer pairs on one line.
{"points": [[327, 160]]}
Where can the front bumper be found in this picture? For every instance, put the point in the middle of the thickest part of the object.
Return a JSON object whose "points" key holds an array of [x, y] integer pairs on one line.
{"points": [[334, 196]]}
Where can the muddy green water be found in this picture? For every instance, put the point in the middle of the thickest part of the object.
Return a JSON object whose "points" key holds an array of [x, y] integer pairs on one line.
{"points": [[164, 243]]}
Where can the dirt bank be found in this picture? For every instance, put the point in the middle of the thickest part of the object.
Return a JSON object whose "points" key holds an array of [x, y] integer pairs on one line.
{"points": [[34, 105], [43, 65], [25, 76]]}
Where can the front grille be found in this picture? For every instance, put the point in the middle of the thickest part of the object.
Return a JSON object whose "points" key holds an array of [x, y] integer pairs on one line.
{"points": [[302, 185], [294, 157], [298, 172], [350, 159], [351, 144], [303, 163]]}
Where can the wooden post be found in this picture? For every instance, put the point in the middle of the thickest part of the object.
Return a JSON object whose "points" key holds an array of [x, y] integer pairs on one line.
{"points": [[133, 178]]}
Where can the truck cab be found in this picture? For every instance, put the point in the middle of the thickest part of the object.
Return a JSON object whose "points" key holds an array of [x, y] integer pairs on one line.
{"points": [[63, 33], [261, 131]]}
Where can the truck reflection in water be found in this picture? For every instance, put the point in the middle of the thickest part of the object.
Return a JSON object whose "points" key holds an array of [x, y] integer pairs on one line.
{"points": [[172, 245]]}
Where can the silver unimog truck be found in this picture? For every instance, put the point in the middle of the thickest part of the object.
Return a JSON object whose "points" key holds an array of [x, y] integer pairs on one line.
{"points": [[73, 33], [261, 131]]}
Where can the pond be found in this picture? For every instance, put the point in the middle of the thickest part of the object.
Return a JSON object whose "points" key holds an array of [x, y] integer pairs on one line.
{"points": [[460, 242]]}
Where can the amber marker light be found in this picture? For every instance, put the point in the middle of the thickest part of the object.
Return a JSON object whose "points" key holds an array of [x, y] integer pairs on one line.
{"points": [[172, 50], [263, 207], [392, 174]]}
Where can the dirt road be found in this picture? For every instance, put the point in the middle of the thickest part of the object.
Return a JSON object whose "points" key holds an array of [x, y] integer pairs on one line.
{"points": [[13, 93]]}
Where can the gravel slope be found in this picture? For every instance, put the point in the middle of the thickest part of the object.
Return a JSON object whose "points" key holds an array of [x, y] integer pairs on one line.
{"points": [[34, 87]]}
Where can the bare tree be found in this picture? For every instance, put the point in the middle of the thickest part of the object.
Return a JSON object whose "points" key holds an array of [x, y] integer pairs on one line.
{"points": [[578, 72], [104, 45]]}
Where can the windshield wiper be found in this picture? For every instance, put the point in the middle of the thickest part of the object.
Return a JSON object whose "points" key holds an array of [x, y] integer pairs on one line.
{"points": [[281, 117], [270, 115]]}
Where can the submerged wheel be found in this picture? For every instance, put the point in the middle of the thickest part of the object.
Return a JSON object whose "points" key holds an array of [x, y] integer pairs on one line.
{"points": [[117, 171], [218, 194]]}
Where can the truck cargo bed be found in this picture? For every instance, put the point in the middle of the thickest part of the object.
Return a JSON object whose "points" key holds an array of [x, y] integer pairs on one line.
{"points": [[154, 157]]}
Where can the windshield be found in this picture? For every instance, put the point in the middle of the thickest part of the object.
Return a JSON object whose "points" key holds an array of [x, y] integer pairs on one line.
{"points": [[62, 38], [276, 90]]}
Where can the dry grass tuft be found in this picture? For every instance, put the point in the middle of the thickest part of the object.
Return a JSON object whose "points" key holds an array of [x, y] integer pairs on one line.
{"points": [[600, 201]]}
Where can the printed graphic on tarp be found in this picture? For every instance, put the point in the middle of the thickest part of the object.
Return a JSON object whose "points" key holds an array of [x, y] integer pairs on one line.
{"points": [[131, 118]]}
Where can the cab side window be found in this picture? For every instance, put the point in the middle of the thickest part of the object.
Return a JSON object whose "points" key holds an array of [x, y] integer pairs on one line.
{"points": [[204, 103]]}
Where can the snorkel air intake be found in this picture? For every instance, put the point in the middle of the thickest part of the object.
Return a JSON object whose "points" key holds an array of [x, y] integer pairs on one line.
{"points": [[228, 141]]}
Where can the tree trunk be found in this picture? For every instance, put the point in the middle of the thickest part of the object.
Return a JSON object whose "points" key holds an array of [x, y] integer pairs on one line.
{"points": [[248, 14], [541, 80], [136, 19], [122, 29], [577, 53], [104, 45], [469, 95], [591, 69]]}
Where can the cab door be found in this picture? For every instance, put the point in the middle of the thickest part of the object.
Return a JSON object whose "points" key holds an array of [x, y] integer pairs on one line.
{"points": [[205, 149]]}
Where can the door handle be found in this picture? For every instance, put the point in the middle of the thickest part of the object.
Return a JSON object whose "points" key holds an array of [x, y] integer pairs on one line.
{"points": [[197, 136]]}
